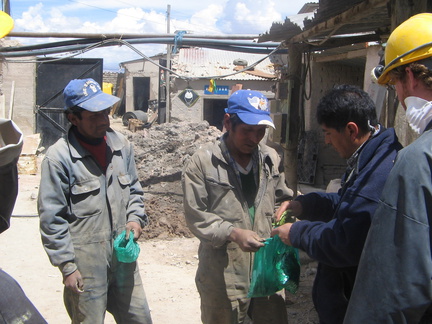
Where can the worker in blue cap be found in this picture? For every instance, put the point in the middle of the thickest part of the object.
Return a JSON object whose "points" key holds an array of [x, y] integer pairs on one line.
{"points": [[89, 194], [230, 189]]}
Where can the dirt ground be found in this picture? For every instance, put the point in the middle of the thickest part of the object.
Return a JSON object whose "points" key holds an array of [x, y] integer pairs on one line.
{"points": [[168, 257]]}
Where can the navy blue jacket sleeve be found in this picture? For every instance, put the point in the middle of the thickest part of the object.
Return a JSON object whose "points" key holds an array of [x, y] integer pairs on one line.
{"points": [[338, 240], [318, 206]]}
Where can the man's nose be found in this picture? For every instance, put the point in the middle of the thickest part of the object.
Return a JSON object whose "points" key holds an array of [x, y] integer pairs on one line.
{"points": [[102, 117], [256, 138]]}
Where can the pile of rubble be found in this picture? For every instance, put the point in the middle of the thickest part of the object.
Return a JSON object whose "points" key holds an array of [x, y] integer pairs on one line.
{"points": [[160, 154]]}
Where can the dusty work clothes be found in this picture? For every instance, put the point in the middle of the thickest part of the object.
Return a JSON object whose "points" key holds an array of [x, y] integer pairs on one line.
{"points": [[11, 142], [15, 307], [393, 284], [214, 203], [334, 226], [81, 211]]}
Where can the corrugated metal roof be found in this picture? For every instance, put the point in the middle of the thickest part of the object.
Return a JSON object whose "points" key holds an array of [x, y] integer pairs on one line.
{"points": [[205, 63]]}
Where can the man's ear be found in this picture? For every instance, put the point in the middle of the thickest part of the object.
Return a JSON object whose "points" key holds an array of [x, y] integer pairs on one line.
{"points": [[353, 130], [412, 82], [72, 119], [227, 122]]}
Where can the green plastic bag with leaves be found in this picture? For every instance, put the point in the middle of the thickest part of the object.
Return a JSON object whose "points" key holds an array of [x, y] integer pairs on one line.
{"points": [[276, 266], [127, 251]]}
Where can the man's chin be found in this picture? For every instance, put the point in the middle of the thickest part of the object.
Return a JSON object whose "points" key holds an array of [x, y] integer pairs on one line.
{"points": [[102, 131], [248, 150]]}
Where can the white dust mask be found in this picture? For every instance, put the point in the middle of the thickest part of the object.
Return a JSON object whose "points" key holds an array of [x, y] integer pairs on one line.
{"points": [[418, 113]]}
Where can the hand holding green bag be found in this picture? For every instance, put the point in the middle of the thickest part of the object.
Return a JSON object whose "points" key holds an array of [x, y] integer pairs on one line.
{"points": [[276, 266], [127, 251]]}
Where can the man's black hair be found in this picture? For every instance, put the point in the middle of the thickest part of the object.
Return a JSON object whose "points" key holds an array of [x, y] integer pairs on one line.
{"points": [[75, 110], [235, 120], [344, 104]]}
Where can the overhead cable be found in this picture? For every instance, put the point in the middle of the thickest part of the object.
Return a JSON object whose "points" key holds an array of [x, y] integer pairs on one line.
{"points": [[81, 49]]}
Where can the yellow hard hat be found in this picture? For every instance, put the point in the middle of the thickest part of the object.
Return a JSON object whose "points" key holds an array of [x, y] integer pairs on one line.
{"points": [[6, 24], [410, 41]]}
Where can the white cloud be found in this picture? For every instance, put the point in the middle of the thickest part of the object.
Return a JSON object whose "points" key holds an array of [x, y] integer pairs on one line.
{"points": [[205, 21], [38, 19], [249, 16], [32, 19]]}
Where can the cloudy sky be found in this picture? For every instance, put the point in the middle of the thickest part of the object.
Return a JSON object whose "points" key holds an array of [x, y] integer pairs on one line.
{"points": [[203, 17]]}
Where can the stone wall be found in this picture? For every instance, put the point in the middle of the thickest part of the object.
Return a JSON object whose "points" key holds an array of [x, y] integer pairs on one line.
{"points": [[325, 76], [112, 77]]}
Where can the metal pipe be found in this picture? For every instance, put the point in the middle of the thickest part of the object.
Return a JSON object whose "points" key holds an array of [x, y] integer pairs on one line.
{"points": [[159, 40], [45, 49], [123, 36]]}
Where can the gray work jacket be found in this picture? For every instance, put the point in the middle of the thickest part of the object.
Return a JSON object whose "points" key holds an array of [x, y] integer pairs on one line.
{"points": [[214, 204], [393, 283], [11, 142], [79, 205]]}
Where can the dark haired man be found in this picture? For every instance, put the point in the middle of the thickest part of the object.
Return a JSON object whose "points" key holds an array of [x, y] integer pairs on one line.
{"points": [[89, 193], [333, 226], [230, 189]]}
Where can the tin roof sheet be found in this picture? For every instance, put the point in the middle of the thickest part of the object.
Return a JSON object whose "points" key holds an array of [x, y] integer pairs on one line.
{"points": [[211, 63]]}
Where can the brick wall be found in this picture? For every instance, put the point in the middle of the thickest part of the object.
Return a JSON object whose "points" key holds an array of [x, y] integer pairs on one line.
{"points": [[112, 77]]}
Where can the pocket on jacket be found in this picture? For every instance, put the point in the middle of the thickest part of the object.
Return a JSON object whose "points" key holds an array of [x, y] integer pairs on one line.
{"points": [[85, 198], [222, 200], [125, 183], [238, 272]]}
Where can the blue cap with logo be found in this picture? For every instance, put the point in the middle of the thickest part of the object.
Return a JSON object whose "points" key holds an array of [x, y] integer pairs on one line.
{"points": [[251, 106], [87, 94]]}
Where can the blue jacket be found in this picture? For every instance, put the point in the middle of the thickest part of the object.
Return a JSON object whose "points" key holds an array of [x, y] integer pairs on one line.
{"points": [[334, 226]]}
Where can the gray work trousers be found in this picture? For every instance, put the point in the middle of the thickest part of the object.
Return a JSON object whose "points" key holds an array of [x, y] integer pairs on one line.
{"points": [[117, 289], [259, 310]]}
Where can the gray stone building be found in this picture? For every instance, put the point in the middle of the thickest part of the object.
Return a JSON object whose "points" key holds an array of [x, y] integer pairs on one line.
{"points": [[192, 69]]}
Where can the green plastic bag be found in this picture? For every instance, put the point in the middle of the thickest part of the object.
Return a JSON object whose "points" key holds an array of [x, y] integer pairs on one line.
{"points": [[127, 251], [276, 266]]}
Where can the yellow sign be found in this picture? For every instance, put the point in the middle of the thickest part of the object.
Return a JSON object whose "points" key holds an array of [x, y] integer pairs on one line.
{"points": [[6, 24], [212, 86]]}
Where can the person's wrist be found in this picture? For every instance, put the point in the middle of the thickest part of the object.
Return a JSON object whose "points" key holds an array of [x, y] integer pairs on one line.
{"points": [[233, 234], [67, 268]]}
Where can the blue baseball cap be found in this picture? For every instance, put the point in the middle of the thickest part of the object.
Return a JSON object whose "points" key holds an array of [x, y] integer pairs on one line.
{"points": [[252, 107], [87, 94]]}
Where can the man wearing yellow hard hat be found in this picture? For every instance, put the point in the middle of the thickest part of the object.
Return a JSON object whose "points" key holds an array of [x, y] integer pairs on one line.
{"points": [[393, 283]]}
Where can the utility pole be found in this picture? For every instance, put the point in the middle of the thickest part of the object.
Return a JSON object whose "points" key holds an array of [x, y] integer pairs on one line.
{"points": [[6, 6], [293, 125], [168, 74]]}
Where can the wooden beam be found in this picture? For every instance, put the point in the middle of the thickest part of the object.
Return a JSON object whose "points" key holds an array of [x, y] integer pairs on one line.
{"points": [[349, 16], [344, 41], [342, 56]]}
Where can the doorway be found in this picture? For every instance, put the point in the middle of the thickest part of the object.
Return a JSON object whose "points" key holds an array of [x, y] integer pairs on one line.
{"points": [[214, 111], [141, 93]]}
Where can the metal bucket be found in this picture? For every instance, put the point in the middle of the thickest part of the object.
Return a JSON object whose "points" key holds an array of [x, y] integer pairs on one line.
{"points": [[136, 114]]}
